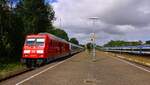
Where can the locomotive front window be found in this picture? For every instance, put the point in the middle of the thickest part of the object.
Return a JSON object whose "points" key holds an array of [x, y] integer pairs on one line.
{"points": [[40, 41], [35, 41], [30, 41]]}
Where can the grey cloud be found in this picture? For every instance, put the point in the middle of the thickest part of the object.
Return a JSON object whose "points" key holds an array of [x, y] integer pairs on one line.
{"points": [[127, 14], [117, 18]]}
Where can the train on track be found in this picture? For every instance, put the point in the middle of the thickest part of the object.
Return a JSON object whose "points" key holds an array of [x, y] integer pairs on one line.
{"points": [[140, 49], [44, 47]]}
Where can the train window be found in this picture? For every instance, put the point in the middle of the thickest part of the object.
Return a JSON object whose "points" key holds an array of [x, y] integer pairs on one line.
{"points": [[51, 42], [145, 49], [35, 41], [30, 41], [40, 41], [56, 43]]}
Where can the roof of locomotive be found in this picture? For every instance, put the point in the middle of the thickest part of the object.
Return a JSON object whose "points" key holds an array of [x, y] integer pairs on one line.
{"points": [[46, 34], [54, 37], [35, 35]]}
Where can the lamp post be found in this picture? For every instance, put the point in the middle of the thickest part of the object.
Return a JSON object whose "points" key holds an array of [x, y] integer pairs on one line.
{"points": [[93, 38]]}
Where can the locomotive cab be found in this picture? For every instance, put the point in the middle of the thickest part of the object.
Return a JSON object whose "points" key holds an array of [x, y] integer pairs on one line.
{"points": [[34, 47], [34, 50]]}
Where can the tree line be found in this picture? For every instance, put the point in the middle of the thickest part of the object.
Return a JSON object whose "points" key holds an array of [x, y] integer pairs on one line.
{"points": [[19, 18], [115, 43]]}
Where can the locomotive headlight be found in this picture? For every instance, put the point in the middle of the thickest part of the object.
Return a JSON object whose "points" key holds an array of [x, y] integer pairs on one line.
{"points": [[26, 51], [40, 51]]}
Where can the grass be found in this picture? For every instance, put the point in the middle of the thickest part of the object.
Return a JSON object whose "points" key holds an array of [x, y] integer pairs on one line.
{"points": [[9, 66], [142, 59]]}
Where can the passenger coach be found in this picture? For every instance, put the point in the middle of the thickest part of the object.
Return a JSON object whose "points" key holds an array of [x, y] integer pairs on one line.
{"points": [[140, 49]]}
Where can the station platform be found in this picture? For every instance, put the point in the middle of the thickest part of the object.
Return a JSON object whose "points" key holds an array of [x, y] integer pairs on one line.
{"points": [[80, 69]]}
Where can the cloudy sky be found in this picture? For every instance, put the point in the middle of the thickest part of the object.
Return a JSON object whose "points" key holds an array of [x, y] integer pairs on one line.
{"points": [[117, 19]]}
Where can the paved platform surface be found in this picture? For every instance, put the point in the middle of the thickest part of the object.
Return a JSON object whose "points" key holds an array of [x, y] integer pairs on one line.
{"points": [[81, 70]]}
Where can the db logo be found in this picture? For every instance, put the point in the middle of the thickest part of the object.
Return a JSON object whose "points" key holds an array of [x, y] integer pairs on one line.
{"points": [[33, 51]]}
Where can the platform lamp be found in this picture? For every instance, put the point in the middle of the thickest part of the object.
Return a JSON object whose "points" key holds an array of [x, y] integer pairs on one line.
{"points": [[92, 36]]}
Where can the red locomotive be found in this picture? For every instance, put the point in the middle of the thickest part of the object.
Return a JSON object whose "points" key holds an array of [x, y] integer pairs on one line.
{"points": [[43, 47]]}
